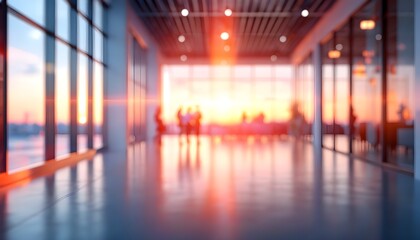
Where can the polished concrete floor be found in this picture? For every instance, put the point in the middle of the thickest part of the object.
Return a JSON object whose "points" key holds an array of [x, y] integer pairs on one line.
{"points": [[221, 188]]}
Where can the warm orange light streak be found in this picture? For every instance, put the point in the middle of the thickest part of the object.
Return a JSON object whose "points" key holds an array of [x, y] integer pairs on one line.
{"points": [[334, 54], [367, 24]]}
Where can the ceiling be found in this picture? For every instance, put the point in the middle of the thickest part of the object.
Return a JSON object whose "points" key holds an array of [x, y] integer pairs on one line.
{"points": [[254, 27]]}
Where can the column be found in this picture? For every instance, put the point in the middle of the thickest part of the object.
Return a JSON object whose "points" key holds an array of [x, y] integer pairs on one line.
{"points": [[317, 124], [417, 89], [115, 99]]}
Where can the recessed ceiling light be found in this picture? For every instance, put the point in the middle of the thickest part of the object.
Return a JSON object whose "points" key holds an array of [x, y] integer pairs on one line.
{"points": [[378, 37], [183, 58], [226, 48], [304, 13], [185, 12], [273, 58], [283, 39], [181, 38], [339, 47], [224, 36], [228, 12]]}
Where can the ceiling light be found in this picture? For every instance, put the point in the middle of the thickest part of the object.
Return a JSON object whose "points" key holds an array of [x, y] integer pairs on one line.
{"points": [[183, 58], [224, 36], [273, 58], [283, 39], [181, 38], [333, 54], [185, 12], [228, 12], [226, 48], [367, 24], [339, 47], [304, 13], [378, 37]]}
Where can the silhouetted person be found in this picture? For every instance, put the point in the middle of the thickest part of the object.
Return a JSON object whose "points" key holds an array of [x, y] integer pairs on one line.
{"points": [[353, 119], [187, 122], [402, 113], [297, 123], [180, 120], [197, 122], [244, 121], [160, 127]]}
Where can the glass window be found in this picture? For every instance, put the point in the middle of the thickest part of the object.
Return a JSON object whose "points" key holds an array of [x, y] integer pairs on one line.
{"points": [[82, 102], [342, 90], [62, 98], [367, 71], [82, 34], [26, 74], [98, 45], [82, 5], [401, 82], [63, 20], [98, 14], [98, 105], [35, 10], [328, 95]]}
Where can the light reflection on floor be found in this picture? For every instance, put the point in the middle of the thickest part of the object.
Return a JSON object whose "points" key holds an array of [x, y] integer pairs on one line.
{"points": [[221, 188]]}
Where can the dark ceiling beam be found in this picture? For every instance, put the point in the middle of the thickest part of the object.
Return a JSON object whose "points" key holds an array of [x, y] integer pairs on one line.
{"points": [[268, 7], [159, 36], [284, 6], [234, 14]]}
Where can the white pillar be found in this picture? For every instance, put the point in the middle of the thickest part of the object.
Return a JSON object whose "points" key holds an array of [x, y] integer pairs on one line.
{"points": [[116, 77], [417, 89], [317, 124]]}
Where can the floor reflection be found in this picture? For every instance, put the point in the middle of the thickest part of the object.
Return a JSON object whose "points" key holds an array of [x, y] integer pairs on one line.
{"points": [[215, 188]]}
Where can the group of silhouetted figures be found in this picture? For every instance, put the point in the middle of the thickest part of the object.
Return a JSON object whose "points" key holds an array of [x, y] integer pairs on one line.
{"points": [[189, 122]]}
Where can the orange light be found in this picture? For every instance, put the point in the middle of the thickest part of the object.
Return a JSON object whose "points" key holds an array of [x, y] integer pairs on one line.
{"points": [[367, 24], [359, 70], [333, 54], [368, 53]]}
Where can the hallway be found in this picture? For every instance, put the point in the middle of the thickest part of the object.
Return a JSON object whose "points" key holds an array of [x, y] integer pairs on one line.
{"points": [[222, 188]]}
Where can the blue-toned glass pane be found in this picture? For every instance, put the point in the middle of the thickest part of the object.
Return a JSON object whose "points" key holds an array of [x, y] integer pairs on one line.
{"points": [[83, 6], [34, 9], [26, 94], [97, 14], [82, 33], [63, 21], [98, 46]]}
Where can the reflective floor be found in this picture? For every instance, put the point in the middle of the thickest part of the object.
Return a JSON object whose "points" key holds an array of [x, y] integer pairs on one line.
{"points": [[221, 188]]}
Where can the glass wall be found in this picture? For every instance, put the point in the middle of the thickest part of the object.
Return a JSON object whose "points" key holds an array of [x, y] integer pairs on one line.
{"points": [[62, 100], [228, 95], [364, 76], [82, 102], [302, 109], [342, 90], [400, 82], [367, 80], [28, 50], [335, 90], [25, 94], [137, 93], [328, 87]]}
